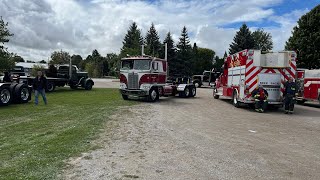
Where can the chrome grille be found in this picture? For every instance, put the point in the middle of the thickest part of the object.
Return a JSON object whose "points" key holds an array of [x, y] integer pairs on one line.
{"points": [[133, 81]]}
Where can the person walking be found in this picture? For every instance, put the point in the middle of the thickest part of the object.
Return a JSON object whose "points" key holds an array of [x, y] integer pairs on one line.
{"points": [[39, 86], [260, 96], [290, 90]]}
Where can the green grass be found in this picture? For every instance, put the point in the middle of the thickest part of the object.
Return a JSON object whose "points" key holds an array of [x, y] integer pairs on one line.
{"points": [[35, 141]]}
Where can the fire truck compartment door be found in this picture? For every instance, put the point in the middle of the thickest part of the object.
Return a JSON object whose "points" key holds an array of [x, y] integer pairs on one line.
{"points": [[271, 82]]}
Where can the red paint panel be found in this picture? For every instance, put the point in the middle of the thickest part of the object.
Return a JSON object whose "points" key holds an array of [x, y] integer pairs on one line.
{"points": [[162, 79], [300, 74], [145, 79], [123, 79]]}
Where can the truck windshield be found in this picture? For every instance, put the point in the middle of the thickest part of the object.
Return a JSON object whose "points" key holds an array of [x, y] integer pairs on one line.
{"points": [[135, 64]]}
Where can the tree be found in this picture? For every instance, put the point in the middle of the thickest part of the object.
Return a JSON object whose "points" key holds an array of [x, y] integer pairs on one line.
{"points": [[184, 55], [6, 62], [242, 40], [60, 57], [153, 45], [262, 40], [114, 64], [76, 59], [132, 41], [171, 54], [205, 60], [43, 61], [37, 68], [305, 40], [17, 59], [4, 33]]}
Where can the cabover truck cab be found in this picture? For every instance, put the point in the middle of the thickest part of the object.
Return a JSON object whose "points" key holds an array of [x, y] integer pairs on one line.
{"points": [[145, 76], [308, 85], [245, 70]]}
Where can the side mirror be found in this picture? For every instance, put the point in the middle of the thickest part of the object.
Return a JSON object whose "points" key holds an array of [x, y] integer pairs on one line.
{"points": [[155, 66]]}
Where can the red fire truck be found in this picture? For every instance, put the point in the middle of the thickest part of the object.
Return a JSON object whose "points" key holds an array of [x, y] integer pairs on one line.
{"points": [[145, 76], [245, 70], [309, 85]]}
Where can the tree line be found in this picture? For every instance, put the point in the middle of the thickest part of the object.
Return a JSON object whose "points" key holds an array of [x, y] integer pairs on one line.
{"points": [[184, 58]]}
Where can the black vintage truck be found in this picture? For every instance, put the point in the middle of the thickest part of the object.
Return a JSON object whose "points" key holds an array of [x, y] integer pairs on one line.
{"points": [[62, 78]]}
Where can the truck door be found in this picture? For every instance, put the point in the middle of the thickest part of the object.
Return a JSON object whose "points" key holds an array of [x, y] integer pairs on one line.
{"points": [[271, 82]]}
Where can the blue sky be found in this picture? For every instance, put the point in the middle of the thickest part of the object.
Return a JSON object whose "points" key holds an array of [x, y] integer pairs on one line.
{"points": [[79, 26]]}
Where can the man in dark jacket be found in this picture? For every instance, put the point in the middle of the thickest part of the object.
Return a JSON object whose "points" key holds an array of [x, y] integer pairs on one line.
{"points": [[290, 90], [6, 77], [260, 96], [39, 86]]}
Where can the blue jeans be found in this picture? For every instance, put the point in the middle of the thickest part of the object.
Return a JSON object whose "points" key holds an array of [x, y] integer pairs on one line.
{"points": [[43, 94]]}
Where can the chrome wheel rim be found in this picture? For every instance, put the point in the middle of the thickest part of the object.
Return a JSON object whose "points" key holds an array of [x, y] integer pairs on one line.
{"points": [[196, 84], [50, 87], [186, 92], [24, 94], [235, 100], [153, 95], [193, 91], [5, 96]]}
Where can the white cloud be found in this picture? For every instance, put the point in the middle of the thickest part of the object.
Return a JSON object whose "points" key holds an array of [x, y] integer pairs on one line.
{"points": [[41, 27]]}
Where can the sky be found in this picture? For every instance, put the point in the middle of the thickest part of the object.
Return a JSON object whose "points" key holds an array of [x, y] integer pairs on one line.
{"points": [[80, 26]]}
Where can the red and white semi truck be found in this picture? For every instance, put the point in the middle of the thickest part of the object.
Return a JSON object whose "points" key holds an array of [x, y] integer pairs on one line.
{"points": [[246, 70], [309, 85], [145, 76]]}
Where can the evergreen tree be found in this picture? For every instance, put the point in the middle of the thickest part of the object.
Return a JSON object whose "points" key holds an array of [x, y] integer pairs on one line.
{"points": [[262, 40], [132, 41], [153, 45], [172, 54], [305, 40], [6, 61], [76, 60], [184, 54], [242, 40]]}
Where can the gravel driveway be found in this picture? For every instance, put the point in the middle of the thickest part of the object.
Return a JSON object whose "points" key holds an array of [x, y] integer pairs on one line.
{"points": [[203, 138]]}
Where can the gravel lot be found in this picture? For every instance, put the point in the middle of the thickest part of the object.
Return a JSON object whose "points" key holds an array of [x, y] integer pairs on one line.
{"points": [[203, 138]]}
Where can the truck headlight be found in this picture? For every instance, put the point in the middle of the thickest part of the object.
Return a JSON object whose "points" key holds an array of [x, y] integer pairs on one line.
{"points": [[145, 86], [123, 86]]}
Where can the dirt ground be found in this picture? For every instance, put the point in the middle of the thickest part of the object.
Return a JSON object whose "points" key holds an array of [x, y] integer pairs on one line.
{"points": [[203, 138]]}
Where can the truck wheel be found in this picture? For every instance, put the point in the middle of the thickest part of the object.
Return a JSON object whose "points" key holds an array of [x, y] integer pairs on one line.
{"points": [[214, 93], [22, 93], [196, 84], [300, 102], [125, 97], [235, 101], [185, 93], [153, 95], [5, 96], [50, 87], [88, 85], [193, 91]]}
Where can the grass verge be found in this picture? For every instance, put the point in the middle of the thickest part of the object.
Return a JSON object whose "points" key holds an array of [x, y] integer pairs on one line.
{"points": [[35, 140]]}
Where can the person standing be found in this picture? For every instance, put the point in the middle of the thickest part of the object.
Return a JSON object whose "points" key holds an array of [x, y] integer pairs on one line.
{"points": [[6, 77], [260, 96], [39, 86], [290, 90]]}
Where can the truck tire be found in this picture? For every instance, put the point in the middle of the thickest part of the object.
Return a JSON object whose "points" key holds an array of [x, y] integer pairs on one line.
{"points": [[51, 87], [73, 87], [197, 84], [88, 85], [235, 101], [185, 92], [192, 91], [21, 93], [153, 95], [214, 93], [300, 102], [5, 96], [125, 97]]}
